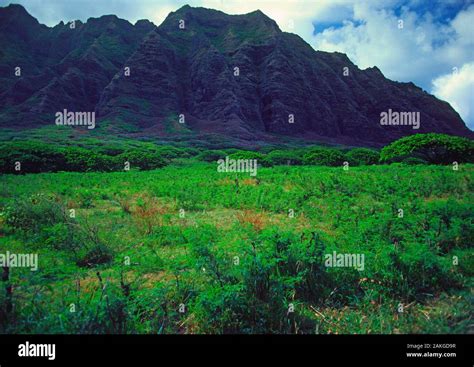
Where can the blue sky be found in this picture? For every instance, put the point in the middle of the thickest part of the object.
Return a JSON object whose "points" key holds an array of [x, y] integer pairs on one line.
{"points": [[434, 48]]}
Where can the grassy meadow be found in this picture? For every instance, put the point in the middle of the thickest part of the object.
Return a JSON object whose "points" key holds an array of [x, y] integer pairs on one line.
{"points": [[186, 249]]}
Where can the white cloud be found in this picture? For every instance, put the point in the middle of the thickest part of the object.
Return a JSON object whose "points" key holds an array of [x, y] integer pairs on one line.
{"points": [[158, 14], [457, 88], [421, 51], [299, 13]]}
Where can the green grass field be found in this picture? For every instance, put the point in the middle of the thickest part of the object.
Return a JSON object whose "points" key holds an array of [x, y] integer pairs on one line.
{"points": [[186, 249]]}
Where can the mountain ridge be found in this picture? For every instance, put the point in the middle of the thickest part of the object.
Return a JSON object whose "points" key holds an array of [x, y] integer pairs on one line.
{"points": [[190, 73]]}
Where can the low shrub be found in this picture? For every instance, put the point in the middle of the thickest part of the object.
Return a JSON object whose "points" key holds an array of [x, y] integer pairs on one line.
{"points": [[283, 157], [324, 157], [211, 155], [141, 159], [31, 213], [35, 157], [362, 157], [413, 161], [247, 154], [98, 254]]}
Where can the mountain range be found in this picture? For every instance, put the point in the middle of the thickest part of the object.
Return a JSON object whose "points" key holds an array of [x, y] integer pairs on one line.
{"points": [[201, 73]]}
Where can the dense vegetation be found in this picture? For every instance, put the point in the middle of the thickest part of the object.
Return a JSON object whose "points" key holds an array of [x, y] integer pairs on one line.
{"points": [[185, 249], [36, 156]]}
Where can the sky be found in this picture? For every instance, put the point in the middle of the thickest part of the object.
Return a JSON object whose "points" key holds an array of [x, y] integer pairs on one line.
{"points": [[428, 42]]}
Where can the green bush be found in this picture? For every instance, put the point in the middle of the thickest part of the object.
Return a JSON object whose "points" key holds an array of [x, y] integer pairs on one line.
{"points": [[34, 212], [247, 154], [433, 148], [98, 254], [324, 157], [362, 157], [34, 157], [141, 159], [283, 157], [169, 152], [254, 297], [418, 271], [215, 155], [82, 160], [220, 309], [412, 161], [211, 155]]}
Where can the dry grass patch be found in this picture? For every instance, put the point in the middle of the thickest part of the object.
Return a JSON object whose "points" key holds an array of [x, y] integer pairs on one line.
{"points": [[258, 221], [250, 182], [148, 212]]}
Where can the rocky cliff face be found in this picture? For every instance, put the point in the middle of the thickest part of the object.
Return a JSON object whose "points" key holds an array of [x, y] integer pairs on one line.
{"points": [[67, 66], [202, 72]]}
